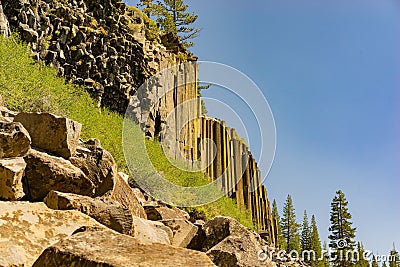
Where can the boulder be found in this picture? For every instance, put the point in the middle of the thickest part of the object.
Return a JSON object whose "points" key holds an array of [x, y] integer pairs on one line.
{"points": [[11, 173], [219, 228], [240, 250], [150, 231], [110, 214], [44, 173], [14, 140], [52, 133], [183, 231], [97, 164], [26, 229], [123, 194], [6, 114], [157, 213], [107, 248]]}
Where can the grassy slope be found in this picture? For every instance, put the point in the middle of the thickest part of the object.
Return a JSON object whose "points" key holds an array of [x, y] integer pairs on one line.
{"points": [[28, 86]]}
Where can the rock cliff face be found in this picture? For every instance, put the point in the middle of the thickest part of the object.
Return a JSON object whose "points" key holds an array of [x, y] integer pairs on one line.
{"points": [[108, 47]]}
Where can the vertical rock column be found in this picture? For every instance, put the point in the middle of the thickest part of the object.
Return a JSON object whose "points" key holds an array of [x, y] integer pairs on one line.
{"points": [[4, 26]]}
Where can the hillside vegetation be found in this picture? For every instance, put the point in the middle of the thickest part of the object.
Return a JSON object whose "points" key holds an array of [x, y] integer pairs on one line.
{"points": [[29, 86]]}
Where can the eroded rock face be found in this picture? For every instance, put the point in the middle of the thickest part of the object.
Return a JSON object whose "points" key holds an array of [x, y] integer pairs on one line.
{"points": [[106, 248], [110, 214], [11, 173], [52, 133], [26, 229], [4, 26], [14, 140], [44, 173], [97, 164]]}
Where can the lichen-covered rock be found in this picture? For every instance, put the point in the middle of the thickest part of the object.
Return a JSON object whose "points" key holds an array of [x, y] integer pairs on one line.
{"points": [[123, 194], [150, 231], [26, 229], [97, 164], [52, 133], [183, 231], [110, 214], [14, 140], [106, 248], [11, 173], [44, 173]]}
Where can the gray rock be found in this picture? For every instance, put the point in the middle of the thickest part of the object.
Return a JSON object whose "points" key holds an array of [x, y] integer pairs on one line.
{"points": [[52, 133], [4, 25], [150, 231], [11, 173], [14, 140]]}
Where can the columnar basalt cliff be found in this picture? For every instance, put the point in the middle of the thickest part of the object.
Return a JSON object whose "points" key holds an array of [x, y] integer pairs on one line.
{"points": [[109, 48]]}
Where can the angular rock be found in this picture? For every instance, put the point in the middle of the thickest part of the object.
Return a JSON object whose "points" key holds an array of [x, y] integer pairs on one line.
{"points": [[240, 251], [11, 173], [44, 173], [219, 228], [4, 25], [14, 140], [52, 133], [123, 194], [7, 115], [150, 231], [155, 213], [97, 164], [139, 195], [106, 248], [112, 215], [183, 231], [26, 229]]}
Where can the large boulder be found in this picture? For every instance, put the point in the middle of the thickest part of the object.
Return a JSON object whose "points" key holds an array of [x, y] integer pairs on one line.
{"points": [[123, 194], [11, 173], [107, 248], [52, 133], [14, 140], [26, 229], [150, 231], [183, 231], [110, 214], [44, 173], [97, 164]]}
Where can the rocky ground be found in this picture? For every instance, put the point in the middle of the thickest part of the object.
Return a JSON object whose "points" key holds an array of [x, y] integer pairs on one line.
{"points": [[64, 203]]}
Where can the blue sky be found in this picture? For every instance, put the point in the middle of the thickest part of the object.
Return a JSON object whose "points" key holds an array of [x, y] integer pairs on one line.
{"points": [[331, 73]]}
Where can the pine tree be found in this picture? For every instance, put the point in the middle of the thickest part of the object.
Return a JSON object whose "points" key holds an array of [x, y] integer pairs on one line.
{"points": [[342, 233], [289, 226], [305, 234], [394, 259], [374, 262], [277, 218], [360, 261], [325, 261], [315, 243], [384, 264], [147, 6], [173, 18]]}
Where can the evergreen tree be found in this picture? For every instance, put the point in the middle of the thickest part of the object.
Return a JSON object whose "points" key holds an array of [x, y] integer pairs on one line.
{"points": [[173, 18], [289, 226], [342, 233], [147, 6], [374, 263], [305, 234], [360, 261], [277, 218], [384, 264], [315, 243], [325, 261], [394, 259]]}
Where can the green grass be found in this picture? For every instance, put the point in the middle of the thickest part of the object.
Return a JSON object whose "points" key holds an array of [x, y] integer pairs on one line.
{"points": [[32, 87]]}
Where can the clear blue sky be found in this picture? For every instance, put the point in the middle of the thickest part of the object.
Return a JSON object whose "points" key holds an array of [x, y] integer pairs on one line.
{"points": [[331, 73]]}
